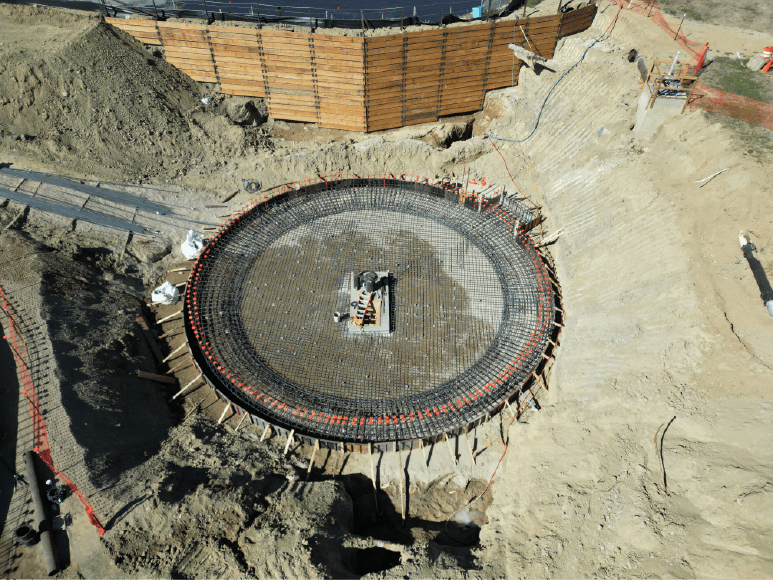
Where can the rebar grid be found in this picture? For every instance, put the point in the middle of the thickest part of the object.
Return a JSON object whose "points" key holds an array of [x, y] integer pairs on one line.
{"points": [[471, 310]]}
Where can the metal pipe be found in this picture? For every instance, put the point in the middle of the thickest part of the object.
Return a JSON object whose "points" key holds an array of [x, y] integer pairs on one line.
{"points": [[758, 271], [44, 525]]}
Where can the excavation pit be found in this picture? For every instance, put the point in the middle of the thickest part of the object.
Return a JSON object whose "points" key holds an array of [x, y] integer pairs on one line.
{"points": [[468, 304]]}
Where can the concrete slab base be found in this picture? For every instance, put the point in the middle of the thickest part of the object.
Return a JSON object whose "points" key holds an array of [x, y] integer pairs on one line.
{"points": [[648, 121]]}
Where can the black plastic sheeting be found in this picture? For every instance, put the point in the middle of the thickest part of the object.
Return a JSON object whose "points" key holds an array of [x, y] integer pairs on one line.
{"points": [[313, 21]]}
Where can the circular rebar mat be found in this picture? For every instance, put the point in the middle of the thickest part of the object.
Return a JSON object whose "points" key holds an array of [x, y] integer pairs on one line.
{"points": [[469, 319]]}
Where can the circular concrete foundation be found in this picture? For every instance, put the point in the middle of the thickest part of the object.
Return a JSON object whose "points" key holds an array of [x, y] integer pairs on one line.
{"points": [[468, 310]]}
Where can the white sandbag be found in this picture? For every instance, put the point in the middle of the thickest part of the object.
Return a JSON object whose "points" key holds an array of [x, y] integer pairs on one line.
{"points": [[192, 245], [166, 294]]}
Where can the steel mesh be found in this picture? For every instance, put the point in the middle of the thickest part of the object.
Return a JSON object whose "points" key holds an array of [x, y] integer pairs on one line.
{"points": [[470, 311]]}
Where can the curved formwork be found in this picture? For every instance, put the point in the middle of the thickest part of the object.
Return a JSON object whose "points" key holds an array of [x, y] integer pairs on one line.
{"points": [[462, 297]]}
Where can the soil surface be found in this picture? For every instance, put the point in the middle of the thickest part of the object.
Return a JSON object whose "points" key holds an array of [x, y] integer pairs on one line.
{"points": [[649, 454]]}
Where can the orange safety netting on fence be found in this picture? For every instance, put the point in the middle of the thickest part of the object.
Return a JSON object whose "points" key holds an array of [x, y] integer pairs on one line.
{"points": [[15, 339], [704, 97]]}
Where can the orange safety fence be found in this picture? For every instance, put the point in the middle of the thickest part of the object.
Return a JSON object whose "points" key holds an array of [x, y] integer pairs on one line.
{"points": [[15, 339], [742, 108], [704, 97]]}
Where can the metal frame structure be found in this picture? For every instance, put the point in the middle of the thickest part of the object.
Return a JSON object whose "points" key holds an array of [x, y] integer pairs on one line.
{"points": [[262, 338], [669, 86]]}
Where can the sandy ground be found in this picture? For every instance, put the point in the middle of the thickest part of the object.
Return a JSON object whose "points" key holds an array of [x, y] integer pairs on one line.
{"points": [[664, 320]]}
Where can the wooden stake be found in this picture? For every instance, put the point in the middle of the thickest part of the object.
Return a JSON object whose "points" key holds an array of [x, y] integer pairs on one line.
{"points": [[240, 422], [175, 367], [227, 406], [289, 440], [197, 405], [451, 449], [486, 446], [157, 378], [373, 474], [266, 432], [150, 340], [18, 215], [175, 351], [469, 446], [311, 461], [167, 333], [169, 317], [509, 408], [180, 269], [181, 284], [186, 387]]}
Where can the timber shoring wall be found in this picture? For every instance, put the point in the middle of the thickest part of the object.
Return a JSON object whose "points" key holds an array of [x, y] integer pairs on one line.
{"points": [[359, 84]]}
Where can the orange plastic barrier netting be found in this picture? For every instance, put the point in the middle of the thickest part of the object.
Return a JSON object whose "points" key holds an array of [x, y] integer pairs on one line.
{"points": [[742, 108], [705, 97], [19, 350]]}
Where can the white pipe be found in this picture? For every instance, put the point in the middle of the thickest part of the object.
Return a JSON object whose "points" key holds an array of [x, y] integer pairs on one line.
{"points": [[673, 64], [712, 176]]}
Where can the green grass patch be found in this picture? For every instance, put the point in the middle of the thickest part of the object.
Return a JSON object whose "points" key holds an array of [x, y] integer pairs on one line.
{"points": [[747, 136], [746, 14], [681, 7], [730, 74]]}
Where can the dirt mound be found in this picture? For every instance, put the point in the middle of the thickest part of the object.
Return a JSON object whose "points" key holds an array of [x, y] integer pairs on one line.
{"points": [[76, 91]]}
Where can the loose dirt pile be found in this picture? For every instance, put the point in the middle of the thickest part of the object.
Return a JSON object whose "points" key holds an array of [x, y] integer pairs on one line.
{"points": [[77, 92], [664, 319]]}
